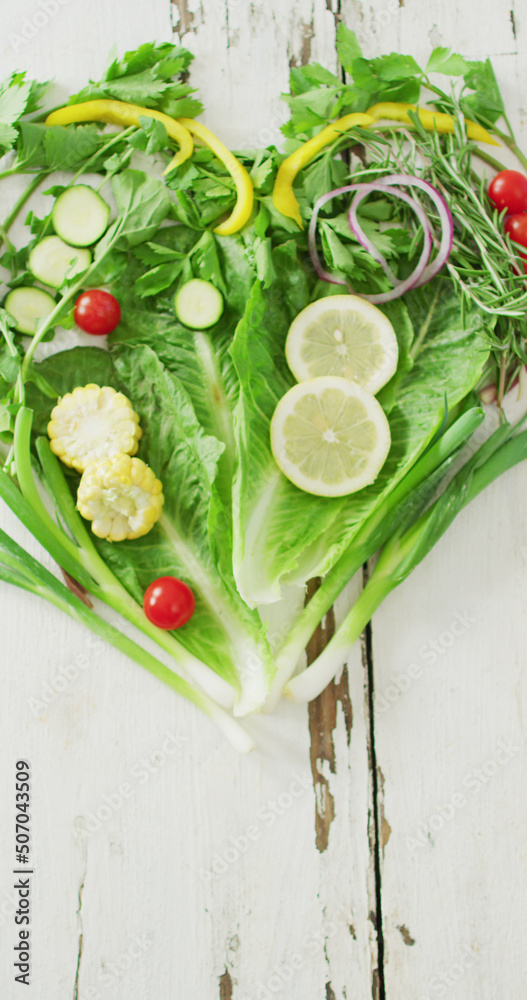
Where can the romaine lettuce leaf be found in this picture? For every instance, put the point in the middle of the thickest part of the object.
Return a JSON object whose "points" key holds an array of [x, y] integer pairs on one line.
{"points": [[223, 631], [449, 356], [280, 533], [199, 358]]}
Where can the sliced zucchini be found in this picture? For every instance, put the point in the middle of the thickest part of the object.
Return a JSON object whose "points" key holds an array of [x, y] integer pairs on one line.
{"points": [[52, 259], [80, 216], [27, 306], [198, 304]]}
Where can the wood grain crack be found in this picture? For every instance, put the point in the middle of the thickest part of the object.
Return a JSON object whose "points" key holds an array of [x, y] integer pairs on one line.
{"points": [[322, 721], [335, 9], [81, 936], [376, 832]]}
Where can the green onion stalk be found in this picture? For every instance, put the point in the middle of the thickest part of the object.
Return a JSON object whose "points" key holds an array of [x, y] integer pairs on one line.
{"points": [[77, 555], [17, 567], [406, 549], [400, 507]]}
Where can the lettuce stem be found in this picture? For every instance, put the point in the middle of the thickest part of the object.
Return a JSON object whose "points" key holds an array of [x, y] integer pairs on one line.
{"points": [[404, 502], [83, 562], [113, 593], [405, 551], [21, 201], [19, 568]]}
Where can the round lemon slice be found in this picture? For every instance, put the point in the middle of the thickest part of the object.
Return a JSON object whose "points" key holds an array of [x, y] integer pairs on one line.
{"points": [[343, 335], [330, 436]]}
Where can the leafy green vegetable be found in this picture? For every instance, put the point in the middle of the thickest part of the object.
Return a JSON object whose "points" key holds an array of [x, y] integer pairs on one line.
{"points": [[443, 60], [486, 102], [233, 526], [222, 630], [281, 533], [18, 96], [348, 48], [142, 203], [151, 137], [20, 569], [200, 359], [67, 148], [145, 76], [406, 549]]}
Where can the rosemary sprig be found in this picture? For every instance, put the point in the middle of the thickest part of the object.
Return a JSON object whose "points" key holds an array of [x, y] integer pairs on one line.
{"points": [[483, 266]]}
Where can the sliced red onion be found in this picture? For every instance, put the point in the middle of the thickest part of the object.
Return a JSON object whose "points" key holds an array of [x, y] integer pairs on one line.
{"points": [[413, 279], [424, 270], [312, 234], [445, 217]]}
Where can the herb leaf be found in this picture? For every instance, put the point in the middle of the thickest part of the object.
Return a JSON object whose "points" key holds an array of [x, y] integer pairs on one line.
{"points": [[142, 202], [348, 48], [443, 60]]}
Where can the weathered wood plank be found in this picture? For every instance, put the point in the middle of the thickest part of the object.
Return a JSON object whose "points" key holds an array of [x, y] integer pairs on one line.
{"points": [[447, 655], [312, 935], [165, 862]]}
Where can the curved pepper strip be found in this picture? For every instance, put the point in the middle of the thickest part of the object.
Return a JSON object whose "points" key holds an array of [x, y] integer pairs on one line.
{"points": [[430, 120], [244, 185], [283, 195], [122, 113]]}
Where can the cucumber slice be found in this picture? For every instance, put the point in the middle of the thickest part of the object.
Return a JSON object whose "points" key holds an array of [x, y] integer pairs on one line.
{"points": [[198, 304], [27, 306], [80, 216], [51, 260]]}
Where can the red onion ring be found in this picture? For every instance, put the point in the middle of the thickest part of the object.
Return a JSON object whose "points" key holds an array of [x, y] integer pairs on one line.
{"points": [[424, 270], [413, 279], [445, 216], [312, 234]]}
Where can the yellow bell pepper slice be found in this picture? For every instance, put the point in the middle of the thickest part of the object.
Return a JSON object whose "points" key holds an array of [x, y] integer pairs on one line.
{"points": [[122, 113], [244, 185], [430, 120], [283, 195], [182, 130]]}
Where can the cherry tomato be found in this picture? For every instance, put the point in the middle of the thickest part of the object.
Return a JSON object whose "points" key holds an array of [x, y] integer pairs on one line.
{"points": [[97, 312], [516, 227], [168, 603], [509, 190]]}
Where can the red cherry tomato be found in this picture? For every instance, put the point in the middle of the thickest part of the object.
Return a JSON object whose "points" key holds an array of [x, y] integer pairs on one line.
{"points": [[97, 312], [509, 190], [516, 227], [168, 603]]}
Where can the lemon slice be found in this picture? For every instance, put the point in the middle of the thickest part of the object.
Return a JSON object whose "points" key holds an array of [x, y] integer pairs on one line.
{"points": [[330, 436], [346, 336]]}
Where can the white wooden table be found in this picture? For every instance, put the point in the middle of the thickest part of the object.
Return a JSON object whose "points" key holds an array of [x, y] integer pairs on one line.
{"points": [[352, 858]]}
